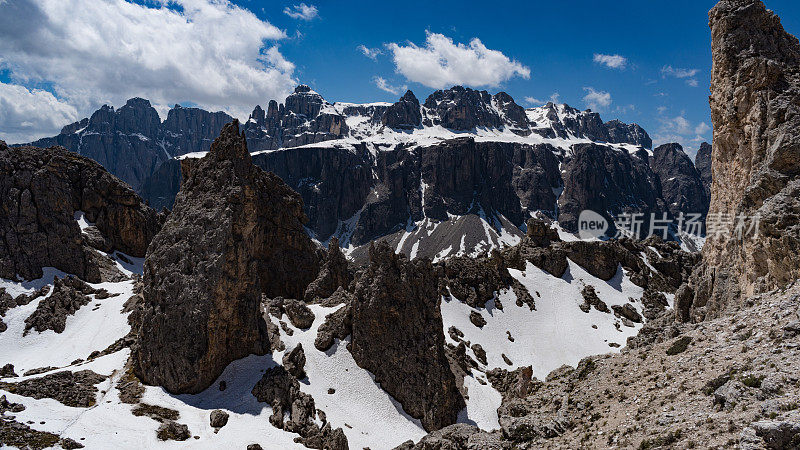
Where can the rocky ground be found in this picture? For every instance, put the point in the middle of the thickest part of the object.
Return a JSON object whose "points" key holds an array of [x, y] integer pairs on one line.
{"points": [[731, 382], [715, 384]]}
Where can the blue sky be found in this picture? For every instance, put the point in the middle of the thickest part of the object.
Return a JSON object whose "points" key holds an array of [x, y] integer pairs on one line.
{"points": [[261, 48]]}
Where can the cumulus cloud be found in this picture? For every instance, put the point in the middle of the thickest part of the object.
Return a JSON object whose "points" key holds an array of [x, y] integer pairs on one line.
{"points": [[371, 53], [534, 101], [441, 63], [210, 52], [596, 100], [384, 85], [302, 12], [687, 75], [26, 115], [676, 128], [611, 61], [702, 128]]}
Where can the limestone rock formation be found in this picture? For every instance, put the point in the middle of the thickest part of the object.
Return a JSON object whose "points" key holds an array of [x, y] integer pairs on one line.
{"points": [[404, 114], [235, 232], [620, 132], [69, 295], [303, 119], [702, 162], [131, 142], [681, 183], [605, 180], [43, 191], [397, 335], [333, 274], [755, 108], [282, 392]]}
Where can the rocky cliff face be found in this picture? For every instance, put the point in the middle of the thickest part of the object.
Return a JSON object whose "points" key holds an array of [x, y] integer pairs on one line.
{"points": [[398, 336], [131, 142], [305, 118], [702, 162], [235, 232], [607, 180], [43, 193], [681, 184], [755, 108], [404, 114], [621, 133]]}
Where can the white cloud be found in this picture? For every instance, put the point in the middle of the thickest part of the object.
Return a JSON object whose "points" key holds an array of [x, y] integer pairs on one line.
{"points": [[681, 130], [611, 61], [555, 97], [684, 74], [371, 53], [26, 115], [534, 101], [209, 52], [302, 12], [625, 109], [596, 100], [440, 63], [384, 85], [702, 128]]}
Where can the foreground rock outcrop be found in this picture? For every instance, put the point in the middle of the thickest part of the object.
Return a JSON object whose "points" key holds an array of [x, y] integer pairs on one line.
{"points": [[43, 192], [755, 108], [397, 334], [236, 232]]}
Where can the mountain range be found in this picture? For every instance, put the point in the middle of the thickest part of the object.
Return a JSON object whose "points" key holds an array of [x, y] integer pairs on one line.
{"points": [[457, 174], [235, 318]]}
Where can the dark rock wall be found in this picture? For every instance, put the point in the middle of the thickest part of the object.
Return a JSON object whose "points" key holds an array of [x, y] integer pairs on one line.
{"points": [[40, 192], [606, 180], [681, 184], [236, 232], [398, 336]]}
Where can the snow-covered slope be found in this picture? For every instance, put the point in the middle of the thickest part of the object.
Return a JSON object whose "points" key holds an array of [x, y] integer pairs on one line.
{"points": [[556, 332]]}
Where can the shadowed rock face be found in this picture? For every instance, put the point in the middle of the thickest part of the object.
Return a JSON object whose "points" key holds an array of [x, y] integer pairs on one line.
{"points": [[301, 121], [131, 142], [398, 336], [604, 180], [702, 163], [40, 192], [235, 232], [681, 184], [404, 114], [755, 108], [620, 132]]}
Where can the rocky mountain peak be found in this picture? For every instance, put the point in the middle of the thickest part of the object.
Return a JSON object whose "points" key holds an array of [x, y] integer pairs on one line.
{"points": [[702, 162], [620, 132], [404, 114], [231, 145], [461, 108], [202, 310], [510, 110], [305, 102], [409, 97], [681, 184], [755, 110], [258, 115]]}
